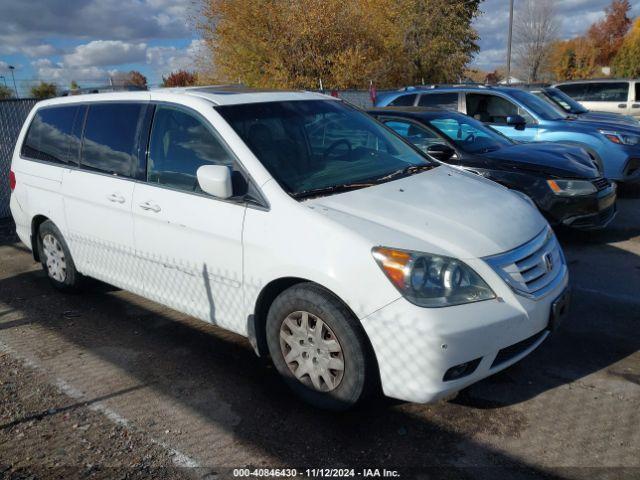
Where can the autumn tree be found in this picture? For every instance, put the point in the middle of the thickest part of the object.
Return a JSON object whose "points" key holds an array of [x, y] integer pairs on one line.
{"points": [[180, 78], [137, 79], [535, 29], [573, 59], [5, 92], [74, 85], [343, 43], [127, 79], [607, 34], [626, 63], [44, 90]]}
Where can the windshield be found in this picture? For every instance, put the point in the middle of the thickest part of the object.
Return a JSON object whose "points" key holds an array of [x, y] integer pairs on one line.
{"points": [[469, 135], [312, 145], [563, 100], [542, 109]]}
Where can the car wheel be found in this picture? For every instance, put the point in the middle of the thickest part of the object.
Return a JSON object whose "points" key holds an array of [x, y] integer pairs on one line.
{"points": [[319, 347], [56, 259]]}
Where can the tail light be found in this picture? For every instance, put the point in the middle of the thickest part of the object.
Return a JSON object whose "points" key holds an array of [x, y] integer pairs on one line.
{"points": [[12, 180]]}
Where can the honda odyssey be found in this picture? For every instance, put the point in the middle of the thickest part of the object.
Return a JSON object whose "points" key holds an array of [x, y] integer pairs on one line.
{"points": [[341, 251]]}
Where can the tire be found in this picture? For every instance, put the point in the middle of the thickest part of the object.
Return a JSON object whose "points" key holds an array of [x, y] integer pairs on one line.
{"points": [[339, 340], [56, 258]]}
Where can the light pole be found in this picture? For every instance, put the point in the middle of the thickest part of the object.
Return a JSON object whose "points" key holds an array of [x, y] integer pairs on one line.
{"points": [[509, 42], [12, 68]]}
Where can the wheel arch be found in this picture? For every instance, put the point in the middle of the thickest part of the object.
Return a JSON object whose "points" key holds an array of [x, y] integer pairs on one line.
{"points": [[36, 221]]}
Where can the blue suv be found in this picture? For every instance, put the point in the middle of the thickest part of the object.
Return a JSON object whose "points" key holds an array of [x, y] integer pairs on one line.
{"points": [[522, 116]]}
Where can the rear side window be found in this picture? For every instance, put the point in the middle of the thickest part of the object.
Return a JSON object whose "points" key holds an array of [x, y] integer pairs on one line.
{"points": [[404, 101], [110, 143], [180, 144], [53, 135], [446, 101], [577, 91], [607, 92], [637, 92]]}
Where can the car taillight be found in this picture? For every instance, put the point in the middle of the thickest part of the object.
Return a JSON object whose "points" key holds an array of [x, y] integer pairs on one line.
{"points": [[12, 180]]}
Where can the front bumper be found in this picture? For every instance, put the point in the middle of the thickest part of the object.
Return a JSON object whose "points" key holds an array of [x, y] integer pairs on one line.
{"points": [[585, 212], [415, 347]]}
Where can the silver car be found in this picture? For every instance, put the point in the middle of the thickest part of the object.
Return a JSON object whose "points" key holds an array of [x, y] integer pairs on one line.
{"points": [[610, 95]]}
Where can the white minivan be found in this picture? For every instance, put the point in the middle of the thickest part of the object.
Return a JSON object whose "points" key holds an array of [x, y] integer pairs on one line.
{"points": [[350, 258]]}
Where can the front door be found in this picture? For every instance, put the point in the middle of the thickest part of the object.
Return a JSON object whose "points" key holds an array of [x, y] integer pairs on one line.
{"points": [[189, 244], [493, 111]]}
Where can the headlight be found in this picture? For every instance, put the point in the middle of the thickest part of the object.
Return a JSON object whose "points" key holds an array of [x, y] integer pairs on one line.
{"points": [[431, 280], [572, 188], [621, 138]]}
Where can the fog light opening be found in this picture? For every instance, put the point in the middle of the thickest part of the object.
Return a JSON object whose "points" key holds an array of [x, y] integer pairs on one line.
{"points": [[461, 370]]}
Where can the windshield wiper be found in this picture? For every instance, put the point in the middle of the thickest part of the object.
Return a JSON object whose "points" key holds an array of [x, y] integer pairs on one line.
{"points": [[406, 171], [317, 192]]}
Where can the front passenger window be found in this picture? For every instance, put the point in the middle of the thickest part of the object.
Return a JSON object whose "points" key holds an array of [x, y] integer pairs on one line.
{"points": [[181, 143]]}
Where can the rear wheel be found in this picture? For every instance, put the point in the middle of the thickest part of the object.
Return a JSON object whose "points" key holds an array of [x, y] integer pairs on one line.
{"points": [[319, 348], [56, 258]]}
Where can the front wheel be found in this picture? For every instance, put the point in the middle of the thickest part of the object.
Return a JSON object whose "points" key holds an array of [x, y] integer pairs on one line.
{"points": [[319, 348]]}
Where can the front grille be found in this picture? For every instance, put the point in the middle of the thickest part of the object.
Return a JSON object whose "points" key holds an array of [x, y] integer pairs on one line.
{"points": [[516, 349], [601, 184], [531, 269]]}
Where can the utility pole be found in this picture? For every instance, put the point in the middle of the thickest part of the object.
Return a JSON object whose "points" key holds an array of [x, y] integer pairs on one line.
{"points": [[12, 68], [509, 42], [4, 80]]}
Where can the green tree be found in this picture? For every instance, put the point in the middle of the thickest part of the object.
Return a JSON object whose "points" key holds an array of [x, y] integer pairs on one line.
{"points": [[44, 90], [5, 92], [343, 43], [626, 63], [74, 85]]}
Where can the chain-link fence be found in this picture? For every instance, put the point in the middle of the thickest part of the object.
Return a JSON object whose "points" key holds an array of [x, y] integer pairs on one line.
{"points": [[12, 116]]}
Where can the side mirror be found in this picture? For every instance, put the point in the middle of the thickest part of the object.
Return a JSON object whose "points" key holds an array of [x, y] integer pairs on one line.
{"points": [[441, 152], [215, 180], [516, 121]]}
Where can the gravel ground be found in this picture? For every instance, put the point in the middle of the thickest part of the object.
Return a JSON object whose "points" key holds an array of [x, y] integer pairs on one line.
{"points": [[105, 384]]}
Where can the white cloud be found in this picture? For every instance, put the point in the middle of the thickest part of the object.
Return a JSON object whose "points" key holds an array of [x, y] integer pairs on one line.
{"points": [[63, 74], [165, 60], [42, 50], [106, 52]]}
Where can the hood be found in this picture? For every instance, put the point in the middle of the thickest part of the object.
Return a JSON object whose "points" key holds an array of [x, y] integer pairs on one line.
{"points": [[589, 125], [609, 117], [546, 158], [442, 211]]}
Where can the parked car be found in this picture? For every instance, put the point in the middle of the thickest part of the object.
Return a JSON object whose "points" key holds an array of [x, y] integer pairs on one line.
{"points": [[605, 95], [560, 99], [522, 116], [296, 220], [562, 180]]}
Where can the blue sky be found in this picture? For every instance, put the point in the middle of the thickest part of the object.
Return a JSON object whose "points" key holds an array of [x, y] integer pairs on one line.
{"points": [[87, 40]]}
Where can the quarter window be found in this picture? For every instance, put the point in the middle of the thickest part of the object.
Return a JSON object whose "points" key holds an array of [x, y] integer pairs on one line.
{"points": [[180, 144], [110, 143], [53, 135], [446, 101], [607, 92], [404, 101]]}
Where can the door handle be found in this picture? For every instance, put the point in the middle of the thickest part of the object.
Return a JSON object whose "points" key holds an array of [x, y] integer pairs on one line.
{"points": [[635, 105], [149, 205], [622, 105], [115, 198]]}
